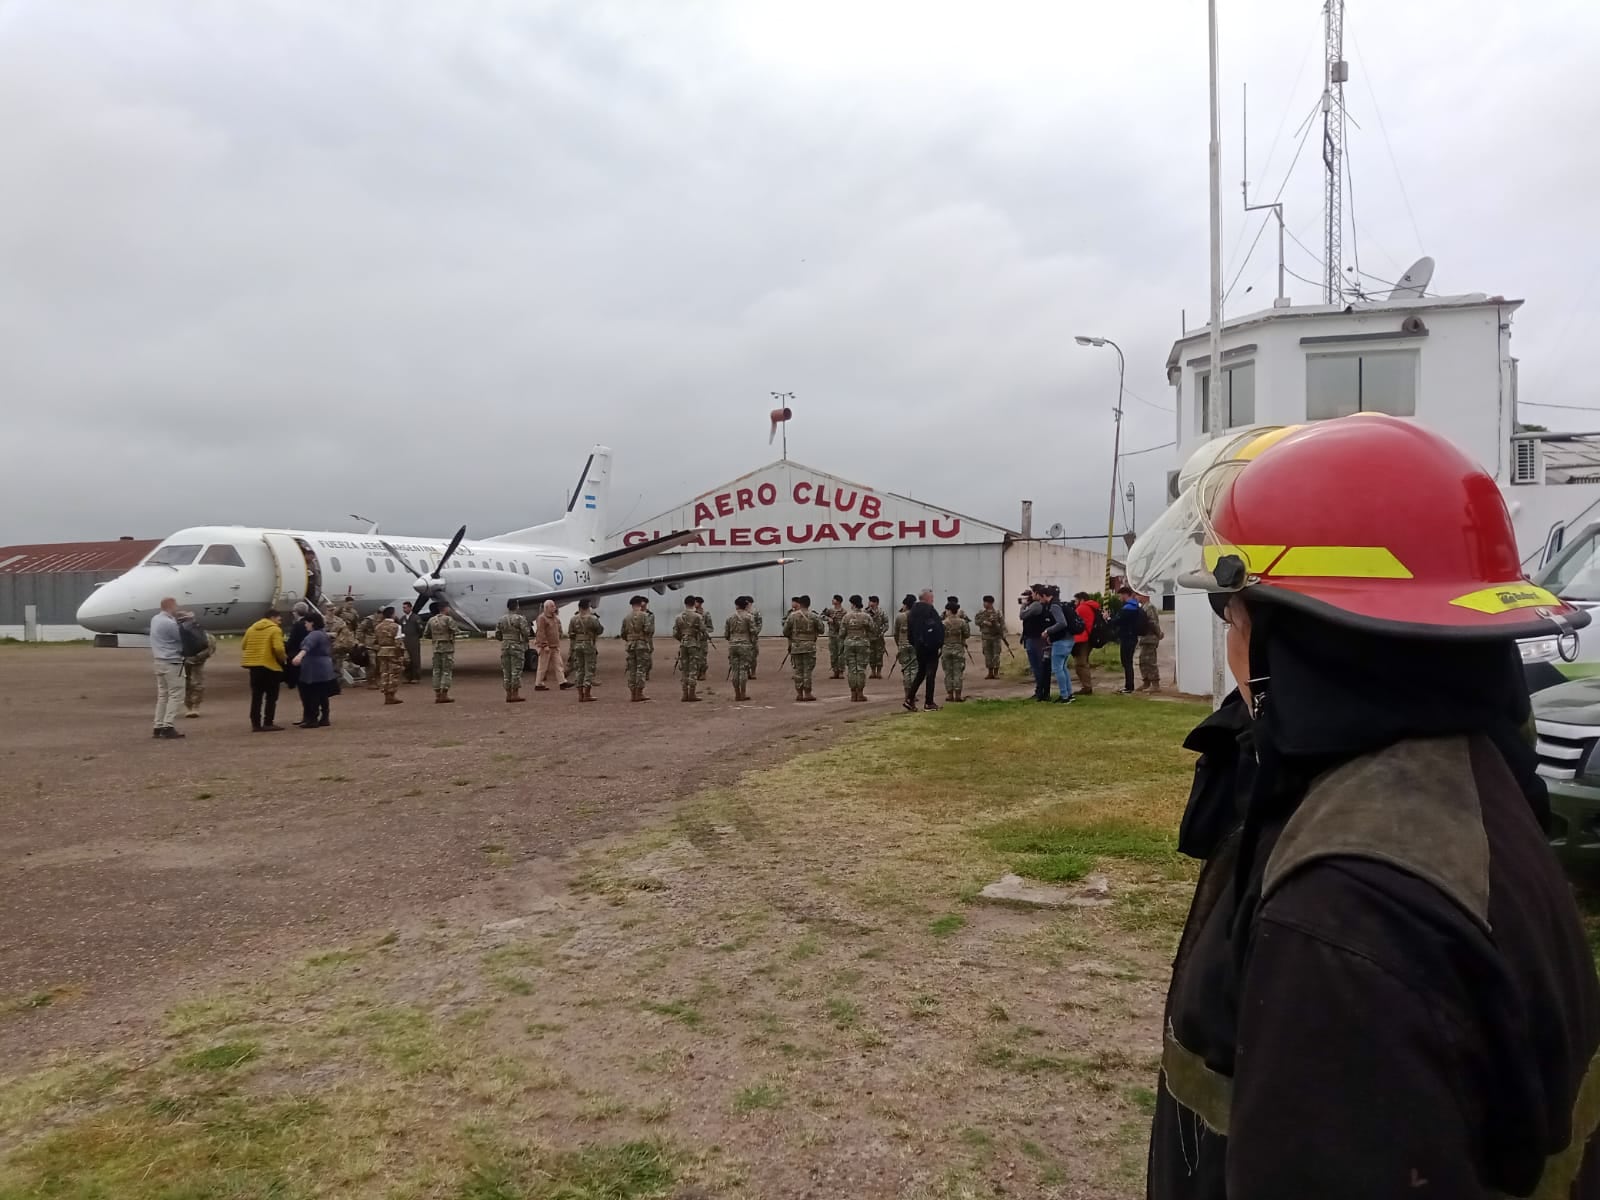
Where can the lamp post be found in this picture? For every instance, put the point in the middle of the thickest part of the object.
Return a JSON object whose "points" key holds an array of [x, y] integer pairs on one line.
{"points": [[1116, 447], [783, 400], [1133, 501]]}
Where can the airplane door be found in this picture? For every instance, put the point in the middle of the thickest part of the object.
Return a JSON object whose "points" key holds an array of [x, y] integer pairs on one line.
{"points": [[289, 564]]}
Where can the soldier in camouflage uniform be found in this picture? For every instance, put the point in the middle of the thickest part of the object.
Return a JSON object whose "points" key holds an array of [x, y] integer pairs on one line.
{"points": [[709, 628], [957, 629], [856, 635], [343, 640], [876, 644], [991, 623], [755, 646], [583, 656], [366, 634], [194, 675], [513, 630], [740, 632], [650, 658], [1149, 646], [638, 629], [690, 631], [803, 627], [905, 654], [834, 616], [442, 630], [388, 655]]}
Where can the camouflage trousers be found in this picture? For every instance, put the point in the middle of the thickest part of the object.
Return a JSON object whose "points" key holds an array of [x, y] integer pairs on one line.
{"points": [[391, 665], [637, 664], [803, 661], [194, 685], [513, 661], [955, 669], [906, 657], [875, 652], [649, 659], [444, 669], [741, 657], [991, 654], [855, 662], [835, 651], [1149, 671], [341, 666], [691, 663], [582, 659], [755, 653]]}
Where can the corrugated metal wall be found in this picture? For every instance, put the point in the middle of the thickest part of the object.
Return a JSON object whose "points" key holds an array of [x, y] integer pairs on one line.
{"points": [[58, 594], [968, 571]]}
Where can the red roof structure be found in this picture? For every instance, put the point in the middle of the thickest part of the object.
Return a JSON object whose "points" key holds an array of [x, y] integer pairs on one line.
{"points": [[74, 556]]}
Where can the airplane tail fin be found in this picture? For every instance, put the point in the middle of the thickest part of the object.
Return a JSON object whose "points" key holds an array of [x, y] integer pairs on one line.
{"points": [[583, 527]]}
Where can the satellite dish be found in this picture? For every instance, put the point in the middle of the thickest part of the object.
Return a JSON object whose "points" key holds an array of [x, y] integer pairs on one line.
{"points": [[1415, 281], [1056, 530]]}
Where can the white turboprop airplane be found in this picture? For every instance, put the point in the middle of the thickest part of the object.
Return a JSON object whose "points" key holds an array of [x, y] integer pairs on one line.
{"points": [[229, 575]]}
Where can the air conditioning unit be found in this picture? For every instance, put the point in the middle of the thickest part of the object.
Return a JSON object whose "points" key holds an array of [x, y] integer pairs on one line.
{"points": [[1527, 464]]}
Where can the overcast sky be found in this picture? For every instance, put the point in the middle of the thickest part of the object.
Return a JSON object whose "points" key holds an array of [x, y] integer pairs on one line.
{"points": [[274, 263]]}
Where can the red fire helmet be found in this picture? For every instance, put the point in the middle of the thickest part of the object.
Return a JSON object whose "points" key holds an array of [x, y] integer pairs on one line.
{"points": [[1368, 521]]}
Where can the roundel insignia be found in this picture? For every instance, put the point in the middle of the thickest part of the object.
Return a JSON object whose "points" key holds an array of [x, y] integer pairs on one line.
{"points": [[556, 577]]}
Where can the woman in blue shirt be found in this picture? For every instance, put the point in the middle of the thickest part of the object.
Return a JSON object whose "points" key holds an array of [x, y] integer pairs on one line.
{"points": [[315, 661]]}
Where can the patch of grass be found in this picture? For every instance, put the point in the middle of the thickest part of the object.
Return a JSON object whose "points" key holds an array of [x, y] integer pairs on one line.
{"points": [[947, 924], [335, 958], [514, 985], [679, 1010], [760, 1096], [622, 1171], [33, 1001], [1142, 1098], [807, 947], [997, 1013], [843, 1011], [1064, 866], [223, 1057]]}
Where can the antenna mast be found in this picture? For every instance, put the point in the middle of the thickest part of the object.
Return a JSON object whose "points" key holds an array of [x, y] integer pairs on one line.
{"points": [[1335, 72]]}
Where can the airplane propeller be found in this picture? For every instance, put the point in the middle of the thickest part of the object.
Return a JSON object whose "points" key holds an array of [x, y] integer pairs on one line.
{"points": [[431, 586]]}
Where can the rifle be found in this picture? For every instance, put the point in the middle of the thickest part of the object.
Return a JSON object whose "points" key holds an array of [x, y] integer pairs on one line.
{"points": [[1006, 642]]}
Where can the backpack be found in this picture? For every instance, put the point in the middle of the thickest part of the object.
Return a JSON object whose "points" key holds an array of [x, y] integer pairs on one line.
{"points": [[1100, 634], [192, 638], [1074, 621], [928, 635]]}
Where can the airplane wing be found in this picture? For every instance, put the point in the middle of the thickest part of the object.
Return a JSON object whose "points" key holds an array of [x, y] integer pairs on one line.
{"points": [[615, 560], [657, 583]]}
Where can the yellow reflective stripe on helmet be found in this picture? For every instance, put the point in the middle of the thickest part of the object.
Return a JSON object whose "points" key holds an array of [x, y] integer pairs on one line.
{"points": [[1340, 562], [1254, 447], [1256, 559], [1507, 597]]}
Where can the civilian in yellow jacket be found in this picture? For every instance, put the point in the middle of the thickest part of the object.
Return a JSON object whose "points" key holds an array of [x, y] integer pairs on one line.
{"points": [[262, 654]]}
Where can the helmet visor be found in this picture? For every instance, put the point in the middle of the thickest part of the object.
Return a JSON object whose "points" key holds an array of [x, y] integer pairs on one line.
{"points": [[1182, 546]]}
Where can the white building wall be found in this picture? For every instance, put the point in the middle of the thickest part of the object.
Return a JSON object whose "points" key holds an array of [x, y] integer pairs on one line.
{"points": [[1068, 567], [1463, 391]]}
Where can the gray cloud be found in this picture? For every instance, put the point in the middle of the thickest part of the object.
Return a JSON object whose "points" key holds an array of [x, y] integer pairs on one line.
{"points": [[273, 263]]}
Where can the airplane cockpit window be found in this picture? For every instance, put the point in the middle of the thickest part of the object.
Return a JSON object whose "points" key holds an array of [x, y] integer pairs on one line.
{"points": [[172, 556], [221, 555]]}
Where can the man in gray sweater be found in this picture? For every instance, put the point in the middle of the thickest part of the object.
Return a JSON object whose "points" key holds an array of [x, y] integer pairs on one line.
{"points": [[166, 647]]}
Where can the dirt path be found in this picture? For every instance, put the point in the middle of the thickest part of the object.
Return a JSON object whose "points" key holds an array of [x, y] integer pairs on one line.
{"points": [[136, 870]]}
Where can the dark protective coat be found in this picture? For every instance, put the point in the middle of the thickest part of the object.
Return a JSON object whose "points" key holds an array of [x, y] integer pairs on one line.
{"points": [[1383, 988]]}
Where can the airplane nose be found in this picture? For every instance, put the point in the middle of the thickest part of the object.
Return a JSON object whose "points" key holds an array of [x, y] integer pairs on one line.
{"points": [[110, 609]]}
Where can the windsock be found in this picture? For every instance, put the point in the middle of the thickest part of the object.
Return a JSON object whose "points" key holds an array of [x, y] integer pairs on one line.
{"points": [[778, 416]]}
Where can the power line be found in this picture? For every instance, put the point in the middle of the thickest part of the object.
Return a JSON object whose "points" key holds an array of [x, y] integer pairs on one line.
{"points": [[1146, 449], [1567, 407], [1150, 403], [1366, 77], [1260, 229]]}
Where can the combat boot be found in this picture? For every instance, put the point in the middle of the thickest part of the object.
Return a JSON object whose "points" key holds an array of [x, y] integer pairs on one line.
{"points": [[438, 696], [799, 694], [694, 693], [391, 698], [877, 672], [810, 696], [444, 697], [961, 697]]}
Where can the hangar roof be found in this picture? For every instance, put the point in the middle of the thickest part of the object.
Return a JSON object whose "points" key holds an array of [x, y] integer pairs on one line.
{"points": [[57, 557]]}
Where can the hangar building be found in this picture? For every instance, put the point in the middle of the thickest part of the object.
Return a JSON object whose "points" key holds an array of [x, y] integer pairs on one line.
{"points": [[851, 538], [49, 582]]}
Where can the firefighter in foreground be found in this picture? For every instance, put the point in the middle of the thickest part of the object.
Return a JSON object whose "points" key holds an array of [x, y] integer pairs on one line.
{"points": [[1383, 988]]}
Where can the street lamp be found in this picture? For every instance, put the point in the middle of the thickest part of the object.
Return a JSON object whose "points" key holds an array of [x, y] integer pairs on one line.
{"points": [[1116, 446]]}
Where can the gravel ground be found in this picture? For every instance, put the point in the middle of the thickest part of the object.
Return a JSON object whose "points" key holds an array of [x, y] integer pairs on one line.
{"points": [[136, 871]]}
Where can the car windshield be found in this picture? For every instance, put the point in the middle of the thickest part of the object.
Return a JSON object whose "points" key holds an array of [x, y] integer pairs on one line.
{"points": [[172, 556], [1576, 574]]}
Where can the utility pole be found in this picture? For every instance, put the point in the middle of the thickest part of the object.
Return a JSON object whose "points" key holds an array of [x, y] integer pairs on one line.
{"points": [[1214, 418], [1335, 72], [1116, 447]]}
